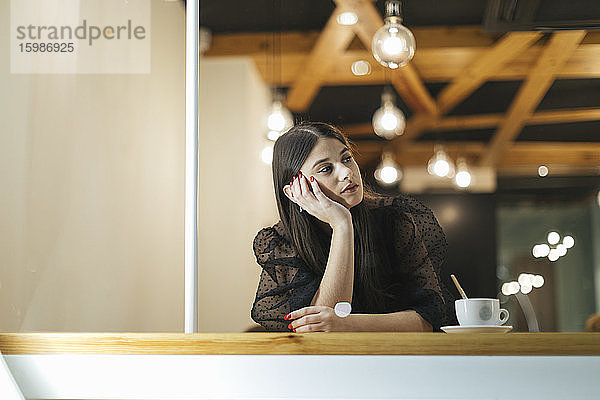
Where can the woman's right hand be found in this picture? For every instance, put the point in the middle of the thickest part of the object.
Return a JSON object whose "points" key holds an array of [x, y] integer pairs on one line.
{"points": [[306, 193]]}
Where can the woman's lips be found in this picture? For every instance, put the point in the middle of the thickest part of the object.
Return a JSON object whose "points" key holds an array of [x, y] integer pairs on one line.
{"points": [[350, 189]]}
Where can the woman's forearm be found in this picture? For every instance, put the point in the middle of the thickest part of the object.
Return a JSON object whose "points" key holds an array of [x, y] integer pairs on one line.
{"points": [[338, 279], [402, 321]]}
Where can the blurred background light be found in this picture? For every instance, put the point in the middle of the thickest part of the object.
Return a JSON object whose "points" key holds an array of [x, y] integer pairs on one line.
{"points": [[347, 18], [553, 238], [361, 67]]}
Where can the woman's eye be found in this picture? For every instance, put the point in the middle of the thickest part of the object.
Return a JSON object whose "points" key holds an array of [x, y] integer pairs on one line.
{"points": [[346, 159], [325, 169]]}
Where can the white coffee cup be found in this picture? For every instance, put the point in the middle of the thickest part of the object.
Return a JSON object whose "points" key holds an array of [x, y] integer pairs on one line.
{"points": [[478, 311]]}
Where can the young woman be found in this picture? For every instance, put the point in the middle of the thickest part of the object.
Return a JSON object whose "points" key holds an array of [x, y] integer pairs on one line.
{"points": [[339, 242]]}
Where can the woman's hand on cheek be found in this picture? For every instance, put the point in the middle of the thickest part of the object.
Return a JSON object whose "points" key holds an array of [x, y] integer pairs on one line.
{"points": [[316, 319], [308, 194]]}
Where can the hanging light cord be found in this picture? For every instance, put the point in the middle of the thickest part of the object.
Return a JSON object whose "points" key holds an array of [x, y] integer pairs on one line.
{"points": [[277, 47], [274, 45]]}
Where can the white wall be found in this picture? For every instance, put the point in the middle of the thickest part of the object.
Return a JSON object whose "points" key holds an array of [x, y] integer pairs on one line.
{"points": [[91, 203], [236, 194], [92, 192]]}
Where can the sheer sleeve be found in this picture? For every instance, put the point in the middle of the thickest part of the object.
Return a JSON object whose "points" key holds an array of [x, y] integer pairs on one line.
{"points": [[421, 248], [285, 285]]}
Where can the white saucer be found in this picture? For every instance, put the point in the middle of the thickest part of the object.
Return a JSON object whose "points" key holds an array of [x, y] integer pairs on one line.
{"points": [[476, 328]]}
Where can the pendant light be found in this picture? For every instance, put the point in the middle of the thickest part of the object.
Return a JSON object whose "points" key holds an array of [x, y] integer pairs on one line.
{"points": [[393, 44], [463, 175], [440, 164], [388, 172], [280, 119], [388, 120]]}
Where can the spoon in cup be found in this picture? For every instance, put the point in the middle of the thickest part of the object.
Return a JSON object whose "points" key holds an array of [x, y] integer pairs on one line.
{"points": [[460, 289]]}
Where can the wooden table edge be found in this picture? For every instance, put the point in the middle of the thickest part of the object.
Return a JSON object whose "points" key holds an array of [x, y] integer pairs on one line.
{"points": [[303, 344]]}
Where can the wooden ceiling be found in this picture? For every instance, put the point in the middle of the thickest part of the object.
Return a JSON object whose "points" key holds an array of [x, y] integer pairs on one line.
{"points": [[460, 58]]}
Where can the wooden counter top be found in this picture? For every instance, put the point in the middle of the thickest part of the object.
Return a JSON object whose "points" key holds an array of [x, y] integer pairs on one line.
{"points": [[315, 343]]}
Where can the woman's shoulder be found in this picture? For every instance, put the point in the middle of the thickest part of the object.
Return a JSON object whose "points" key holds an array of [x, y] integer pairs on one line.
{"points": [[407, 216], [399, 204], [271, 232], [270, 240]]}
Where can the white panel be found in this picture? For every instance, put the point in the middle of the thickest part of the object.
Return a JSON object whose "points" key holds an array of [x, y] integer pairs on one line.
{"points": [[8, 387], [304, 377]]}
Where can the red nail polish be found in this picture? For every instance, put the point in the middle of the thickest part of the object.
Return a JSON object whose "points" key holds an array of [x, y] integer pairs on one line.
{"points": [[294, 331], [299, 174], [312, 178], [290, 326], [287, 317]]}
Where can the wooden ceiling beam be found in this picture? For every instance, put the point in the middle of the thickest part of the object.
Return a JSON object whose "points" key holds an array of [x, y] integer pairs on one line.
{"points": [[479, 71], [522, 154], [434, 65], [436, 38], [406, 79], [484, 67], [482, 121], [331, 44], [557, 52], [410, 86]]}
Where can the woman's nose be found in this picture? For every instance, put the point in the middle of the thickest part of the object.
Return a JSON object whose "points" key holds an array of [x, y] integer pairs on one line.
{"points": [[345, 173]]}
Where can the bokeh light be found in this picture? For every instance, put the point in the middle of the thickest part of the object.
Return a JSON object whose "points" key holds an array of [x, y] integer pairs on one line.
{"points": [[553, 238]]}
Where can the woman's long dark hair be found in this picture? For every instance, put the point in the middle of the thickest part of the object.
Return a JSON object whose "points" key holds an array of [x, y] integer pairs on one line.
{"points": [[307, 236]]}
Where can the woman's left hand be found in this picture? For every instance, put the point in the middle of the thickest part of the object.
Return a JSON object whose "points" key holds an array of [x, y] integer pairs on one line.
{"points": [[316, 319]]}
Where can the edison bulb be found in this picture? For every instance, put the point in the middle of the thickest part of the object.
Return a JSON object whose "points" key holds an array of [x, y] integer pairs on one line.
{"points": [[280, 119], [463, 176], [441, 168], [463, 179], [440, 164], [393, 45], [388, 172], [388, 120]]}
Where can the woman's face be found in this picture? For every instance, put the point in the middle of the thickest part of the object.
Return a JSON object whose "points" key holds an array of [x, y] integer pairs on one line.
{"points": [[333, 166]]}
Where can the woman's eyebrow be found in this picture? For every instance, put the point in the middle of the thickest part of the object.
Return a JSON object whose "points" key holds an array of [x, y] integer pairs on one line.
{"points": [[345, 149], [320, 161]]}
